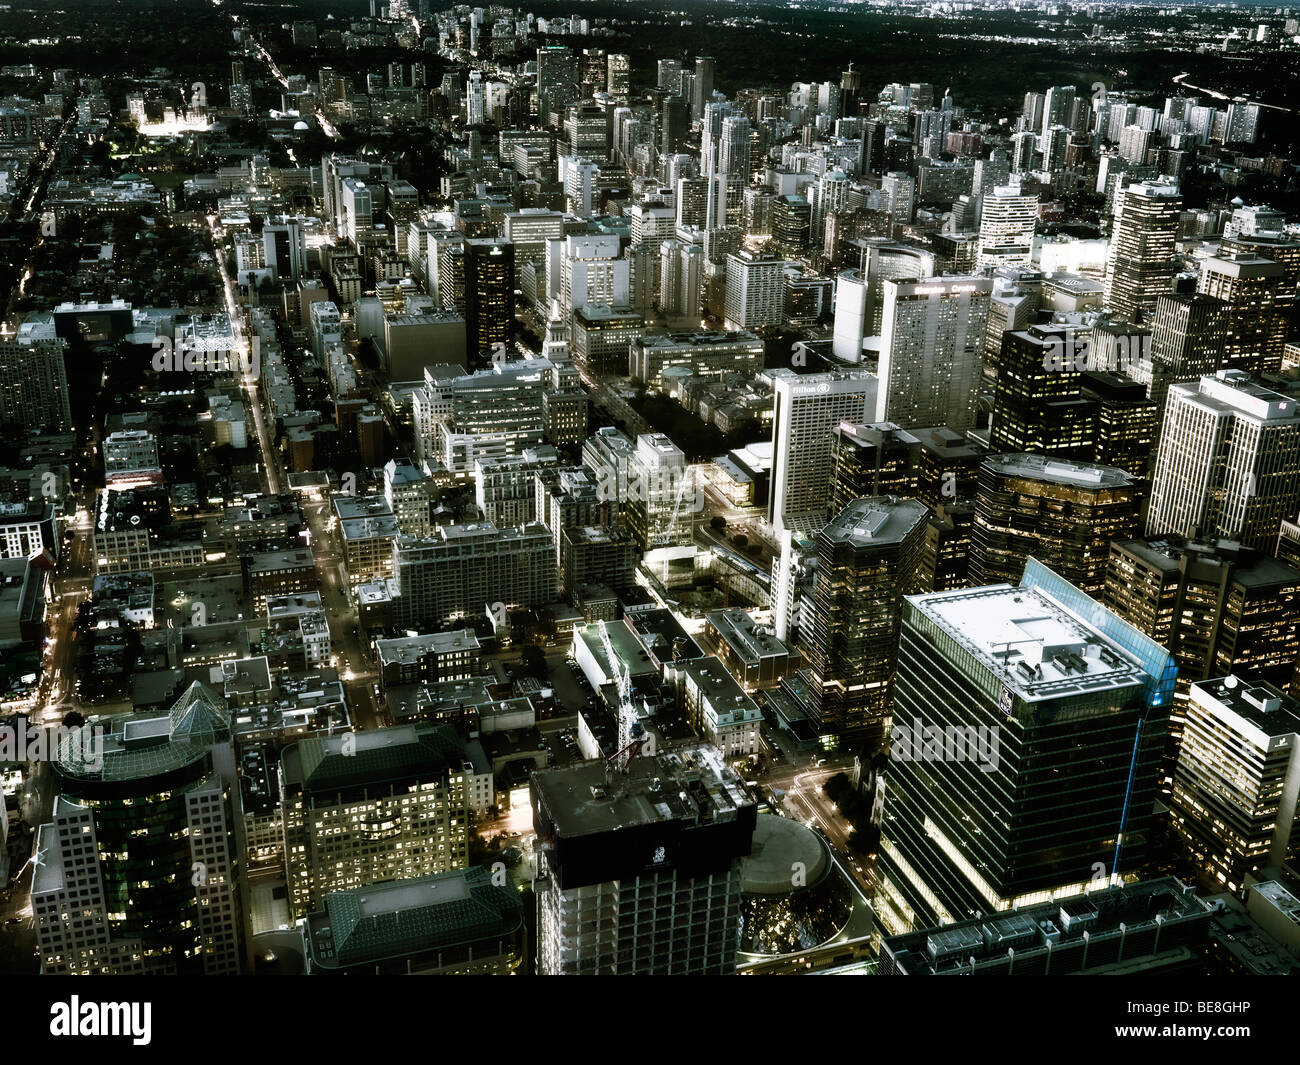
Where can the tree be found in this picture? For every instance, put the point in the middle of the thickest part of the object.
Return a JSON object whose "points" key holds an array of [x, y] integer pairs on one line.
{"points": [[718, 523], [533, 661]]}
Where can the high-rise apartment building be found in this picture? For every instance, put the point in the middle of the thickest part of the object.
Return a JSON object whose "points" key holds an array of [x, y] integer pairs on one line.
{"points": [[931, 350], [1008, 219], [1228, 463], [646, 879], [806, 411], [34, 380]]}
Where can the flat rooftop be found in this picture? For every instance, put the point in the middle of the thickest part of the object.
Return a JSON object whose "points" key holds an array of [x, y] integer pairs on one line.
{"points": [[878, 520], [1032, 643], [1058, 471], [586, 798]]}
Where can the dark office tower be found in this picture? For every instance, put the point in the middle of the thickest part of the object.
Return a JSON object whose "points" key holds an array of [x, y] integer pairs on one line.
{"points": [[489, 296], [1038, 404], [139, 870], [850, 90], [1189, 332], [1141, 264], [702, 90], [872, 460], [557, 81], [949, 466], [692, 201], [867, 560], [1041, 719], [873, 147], [593, 71], [1062, 513], [1126, 423], [641, 865], [791, 221], [1217, 607], [674, 120], [1259, 297]]}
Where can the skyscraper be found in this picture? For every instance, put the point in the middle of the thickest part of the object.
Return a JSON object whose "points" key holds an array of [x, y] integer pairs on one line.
{"points": [[489, 296], [34, 379], [1063, 514], [867, 560], [1259, 296], [703, 87], [1238, 779], [557, 80], [931, 349], [1140, 264], [806, 410], [647, 878], [1038, 404], [1188, 336], [1034, 724], [1008, 219], [755, 290], [1228, 463]]}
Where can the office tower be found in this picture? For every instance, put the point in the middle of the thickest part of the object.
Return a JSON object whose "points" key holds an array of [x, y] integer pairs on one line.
{"points": [[365, 807], [661, 494], [1228, 463], [900, 195], [1189, 333], [647, 880], [285, 245], [832, 193], [755, 290], [475, 100], [867, 560], [587, 131], [702, 89], [850, 315], [850, 91], [806, 410], [879, 459], [674, 121], [489, 296], [733, 148], [883, 259], [1043, 717], [1216, 606], [791, 225], [1259, 297], [591, 270], [681, 279], [1140, 264], [34, 379], [1063, 514], [579, 177], [465, 570], [931, 349], [669, 77], [1237, 779], [1007, 222], [139, 865], [1126, 422], [557, 81], [618, 74], [1038, 403]]}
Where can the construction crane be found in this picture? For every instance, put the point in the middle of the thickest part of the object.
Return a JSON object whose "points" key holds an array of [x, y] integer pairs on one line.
{"points": [[632, 748], [623, 681]]}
